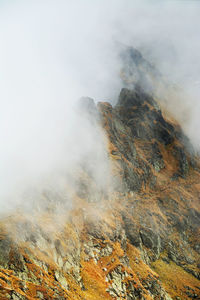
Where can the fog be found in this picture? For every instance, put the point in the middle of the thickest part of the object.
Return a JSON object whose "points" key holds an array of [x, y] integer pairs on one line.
{"points": [[54, 52]]}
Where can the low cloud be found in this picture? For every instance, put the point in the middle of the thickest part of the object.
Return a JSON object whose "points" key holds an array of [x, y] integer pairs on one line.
{"points": [[54, 52]]}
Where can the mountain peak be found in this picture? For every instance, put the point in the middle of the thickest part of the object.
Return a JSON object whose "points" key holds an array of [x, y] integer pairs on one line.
{"points": [[135, 236]]}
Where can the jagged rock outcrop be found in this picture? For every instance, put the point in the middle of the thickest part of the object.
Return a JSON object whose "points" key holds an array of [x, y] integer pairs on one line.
{"points": [[140, 240]]}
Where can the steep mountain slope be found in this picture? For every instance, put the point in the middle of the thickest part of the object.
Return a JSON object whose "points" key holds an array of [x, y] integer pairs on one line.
{"points": [[139, 239]]}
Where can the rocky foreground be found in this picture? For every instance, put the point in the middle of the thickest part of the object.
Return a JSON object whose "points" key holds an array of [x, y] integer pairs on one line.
{"points": [[138, 240]]}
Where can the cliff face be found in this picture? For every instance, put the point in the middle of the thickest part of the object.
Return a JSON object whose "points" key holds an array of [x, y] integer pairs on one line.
{"points": [[140, 240]]}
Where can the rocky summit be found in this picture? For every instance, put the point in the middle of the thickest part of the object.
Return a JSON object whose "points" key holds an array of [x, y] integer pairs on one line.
{"points": [[137, 239]]}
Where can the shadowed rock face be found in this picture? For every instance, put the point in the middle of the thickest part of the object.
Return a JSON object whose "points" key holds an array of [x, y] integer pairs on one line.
{"points": [[141, 113], [138, 119], [140, 240]]}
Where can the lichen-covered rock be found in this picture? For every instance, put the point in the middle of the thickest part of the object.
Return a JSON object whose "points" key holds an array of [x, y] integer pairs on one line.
{"points": [[151, 240]]}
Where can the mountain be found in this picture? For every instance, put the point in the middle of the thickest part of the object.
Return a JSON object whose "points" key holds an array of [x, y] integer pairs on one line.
{"points": [[136, 238]]}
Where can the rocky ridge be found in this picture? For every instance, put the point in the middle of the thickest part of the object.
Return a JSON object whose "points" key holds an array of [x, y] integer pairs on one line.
{"points": [[141, 241]]}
